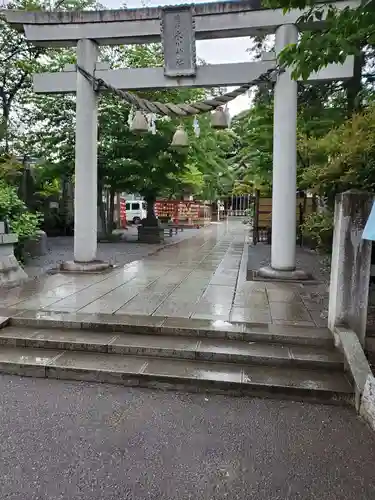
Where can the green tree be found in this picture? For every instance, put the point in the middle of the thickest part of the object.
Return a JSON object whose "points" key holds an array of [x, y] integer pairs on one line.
{"points": [[344, 158], [209, 155], [126, 161], [345, 32], [19, 59], [321, 107], [254, 129]]}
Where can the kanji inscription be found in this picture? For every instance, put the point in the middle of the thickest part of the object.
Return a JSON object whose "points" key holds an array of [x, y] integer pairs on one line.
{"points": [[178, 37]]}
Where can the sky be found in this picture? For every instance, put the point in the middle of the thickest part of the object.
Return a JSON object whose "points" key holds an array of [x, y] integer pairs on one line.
{"points": [[211, 51]]}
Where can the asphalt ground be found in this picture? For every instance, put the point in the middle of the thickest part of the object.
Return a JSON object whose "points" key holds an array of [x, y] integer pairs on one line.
{"points": [[66, 440]]}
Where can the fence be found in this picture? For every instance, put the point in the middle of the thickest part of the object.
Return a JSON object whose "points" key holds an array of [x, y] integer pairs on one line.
{"points": [[238, 205], [262, 224]]}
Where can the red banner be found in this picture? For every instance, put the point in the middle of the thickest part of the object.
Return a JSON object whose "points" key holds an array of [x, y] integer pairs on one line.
{"points": [[180, 211], [123, 213]]}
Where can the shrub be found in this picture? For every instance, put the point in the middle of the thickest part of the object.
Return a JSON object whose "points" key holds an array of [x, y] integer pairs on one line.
{"points": [[10, 204], [13, 210], [318, 228]]}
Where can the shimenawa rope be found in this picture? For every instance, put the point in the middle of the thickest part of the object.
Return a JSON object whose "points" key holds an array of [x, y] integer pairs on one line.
{"points": [[179, 110]]}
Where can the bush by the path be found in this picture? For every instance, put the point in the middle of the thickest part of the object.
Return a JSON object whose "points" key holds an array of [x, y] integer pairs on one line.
{"points": [[21, 221]]}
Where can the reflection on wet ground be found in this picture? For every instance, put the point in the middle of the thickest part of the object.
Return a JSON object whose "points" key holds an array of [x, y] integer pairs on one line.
{"points": [[202, 277]]}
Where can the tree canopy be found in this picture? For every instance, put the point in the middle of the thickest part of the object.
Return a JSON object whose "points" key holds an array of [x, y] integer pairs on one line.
{"points": [[43, 127], [344, 32], [334, 141]]}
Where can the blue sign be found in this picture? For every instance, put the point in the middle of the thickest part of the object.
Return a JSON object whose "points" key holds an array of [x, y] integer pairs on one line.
{"points": [[369, 231]]}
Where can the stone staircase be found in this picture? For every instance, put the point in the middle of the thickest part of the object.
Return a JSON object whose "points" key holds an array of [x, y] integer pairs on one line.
{"points": [[237, 359]]}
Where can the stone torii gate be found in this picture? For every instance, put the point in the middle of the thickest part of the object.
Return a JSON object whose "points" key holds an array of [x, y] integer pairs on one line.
{"points": [[177, 27]]}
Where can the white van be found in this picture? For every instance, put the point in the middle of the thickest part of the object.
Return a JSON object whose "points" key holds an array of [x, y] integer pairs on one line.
{"points": [[135, 211]]}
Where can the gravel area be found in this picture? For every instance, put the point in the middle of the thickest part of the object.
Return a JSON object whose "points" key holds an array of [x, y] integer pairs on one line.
{"points": [[63, 440], [318, 265], [61, 249]]}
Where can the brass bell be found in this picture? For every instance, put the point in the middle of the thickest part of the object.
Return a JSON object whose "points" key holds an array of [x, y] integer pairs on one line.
{"points": [[219, 119], [139, 123], [180, 138]]}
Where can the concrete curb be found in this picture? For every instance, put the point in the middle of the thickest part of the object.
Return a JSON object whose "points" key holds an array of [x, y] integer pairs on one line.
{"points": [[356, 363], [367, 410]]}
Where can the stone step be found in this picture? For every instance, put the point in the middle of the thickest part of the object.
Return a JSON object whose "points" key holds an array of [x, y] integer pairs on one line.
{"points": [[187, 375], [205, 349], [196, 328]]}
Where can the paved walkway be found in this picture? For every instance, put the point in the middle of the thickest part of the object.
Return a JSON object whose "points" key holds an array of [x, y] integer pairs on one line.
{"points": [[61, 248], [202, 277]]}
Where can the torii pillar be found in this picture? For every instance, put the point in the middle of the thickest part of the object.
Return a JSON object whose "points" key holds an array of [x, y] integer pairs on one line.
{"points": [[86, 166], [86, 176], [284, 182]]}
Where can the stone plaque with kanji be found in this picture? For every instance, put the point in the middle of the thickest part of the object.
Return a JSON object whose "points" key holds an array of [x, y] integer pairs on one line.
{"points": [[178, 37]]}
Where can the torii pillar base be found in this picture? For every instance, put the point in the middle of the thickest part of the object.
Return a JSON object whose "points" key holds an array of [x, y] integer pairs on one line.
{"points": [[95, 266], [271, 274]]}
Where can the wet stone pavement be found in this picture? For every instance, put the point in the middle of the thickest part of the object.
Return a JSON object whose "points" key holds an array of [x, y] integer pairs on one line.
{"points": [[202, 277], [61, 248]]}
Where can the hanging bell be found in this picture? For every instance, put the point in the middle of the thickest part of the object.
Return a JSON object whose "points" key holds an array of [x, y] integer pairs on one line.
{"points": [[139, 123], [180, 138], [219, 119]]}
